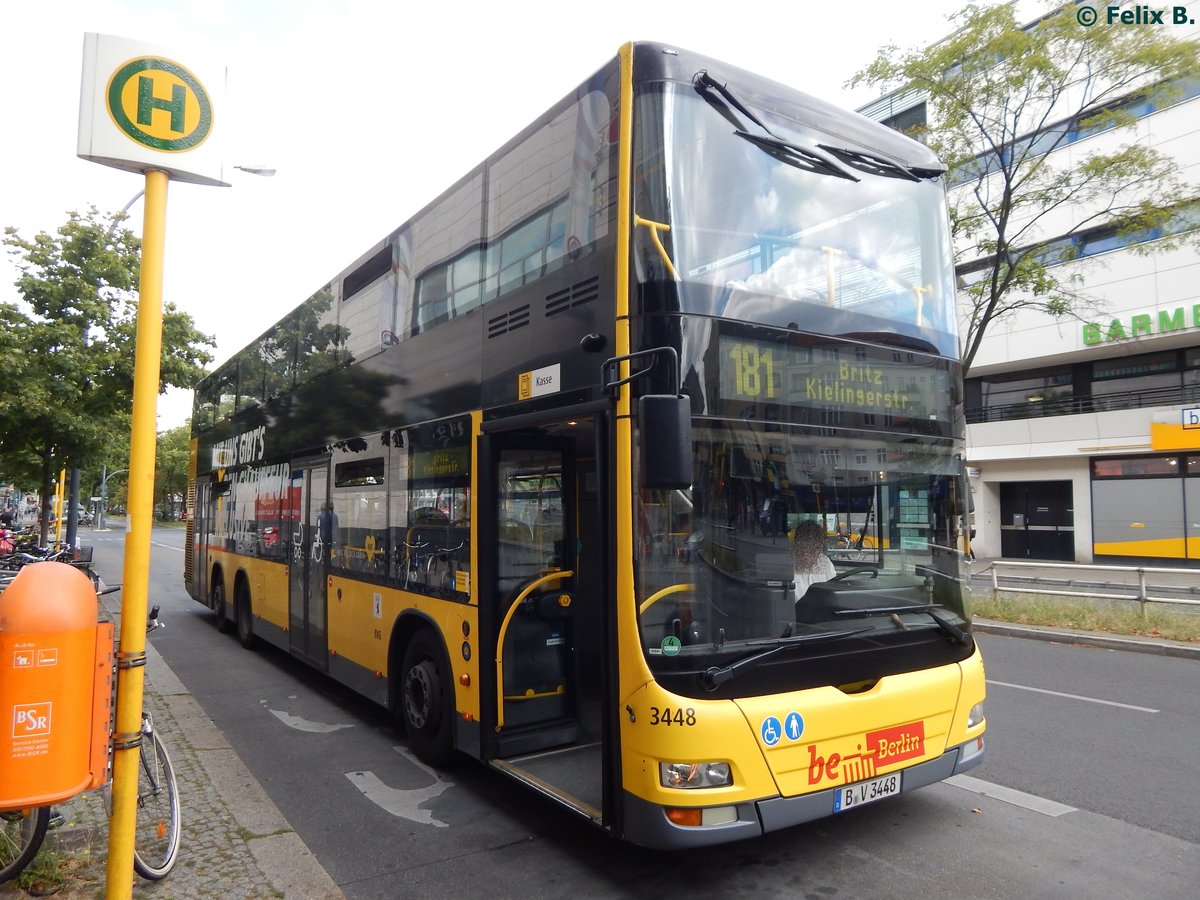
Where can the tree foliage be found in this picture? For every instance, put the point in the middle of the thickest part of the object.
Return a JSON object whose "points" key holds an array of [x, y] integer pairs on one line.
{"points": [[1002, 96], [171, 465], [67, 348]]}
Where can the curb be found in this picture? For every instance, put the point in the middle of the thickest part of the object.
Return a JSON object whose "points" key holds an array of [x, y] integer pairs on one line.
{"points": [[282, 857], [1177, 649], [236, 842]]}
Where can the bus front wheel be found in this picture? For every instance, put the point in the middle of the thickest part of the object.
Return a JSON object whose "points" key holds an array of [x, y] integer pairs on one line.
{"points": [[427, 700]]}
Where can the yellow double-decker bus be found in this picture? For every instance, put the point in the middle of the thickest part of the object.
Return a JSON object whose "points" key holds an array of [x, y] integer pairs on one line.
{"points": [[529, 472]]}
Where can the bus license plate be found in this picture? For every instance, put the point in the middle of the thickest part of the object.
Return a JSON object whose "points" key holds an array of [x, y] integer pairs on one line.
{"points": [[866, 792]]}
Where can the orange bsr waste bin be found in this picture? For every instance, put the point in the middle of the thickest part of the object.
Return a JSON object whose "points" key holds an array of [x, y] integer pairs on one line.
{"points": [[53, 671]]}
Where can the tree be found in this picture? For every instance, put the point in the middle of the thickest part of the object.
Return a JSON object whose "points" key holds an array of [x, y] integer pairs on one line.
{"points": [[1001, 98], [67, 350], [171, 465]]}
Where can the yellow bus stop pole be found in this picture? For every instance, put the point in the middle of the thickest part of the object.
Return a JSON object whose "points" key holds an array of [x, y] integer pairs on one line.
{"points": [[58, 504], [136, 579]]}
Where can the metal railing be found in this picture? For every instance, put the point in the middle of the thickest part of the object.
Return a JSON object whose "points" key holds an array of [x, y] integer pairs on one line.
{"points": [[1142, 596], [1070, 406]]}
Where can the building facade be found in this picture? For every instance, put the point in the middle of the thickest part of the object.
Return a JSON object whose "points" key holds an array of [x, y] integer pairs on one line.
{"points": [[1083, 431]]}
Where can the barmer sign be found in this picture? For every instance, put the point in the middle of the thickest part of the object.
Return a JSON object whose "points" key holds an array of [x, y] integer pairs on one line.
{"points": [[1142, 325], [143, 110]]}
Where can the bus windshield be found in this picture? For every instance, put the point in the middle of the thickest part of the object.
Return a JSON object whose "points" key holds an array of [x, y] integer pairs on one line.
{"points": [[781, 224], [787, 535]]}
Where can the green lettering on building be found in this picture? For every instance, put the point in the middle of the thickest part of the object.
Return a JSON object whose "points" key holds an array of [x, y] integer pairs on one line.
{"points": [[1141, 325]]}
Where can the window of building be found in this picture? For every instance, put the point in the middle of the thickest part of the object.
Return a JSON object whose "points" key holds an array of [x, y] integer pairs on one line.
{"points": [[1143, 364], [911, 121], [1033, 392], [1136, 467], [1053, 136]]}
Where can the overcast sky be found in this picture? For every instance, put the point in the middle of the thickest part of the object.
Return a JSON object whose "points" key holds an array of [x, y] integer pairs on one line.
{"points": [[367, 110]]}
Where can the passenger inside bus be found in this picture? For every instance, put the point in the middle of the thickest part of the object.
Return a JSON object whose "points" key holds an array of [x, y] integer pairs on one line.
{"points": [[808, 557]]}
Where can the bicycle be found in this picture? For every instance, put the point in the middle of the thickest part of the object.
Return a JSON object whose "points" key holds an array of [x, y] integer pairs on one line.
{"points": [[158, 827], [851, 547], [21, 834], [157, 819]]}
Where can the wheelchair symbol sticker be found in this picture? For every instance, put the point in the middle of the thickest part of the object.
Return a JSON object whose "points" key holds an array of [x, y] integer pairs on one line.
{"points": [[771, 731]]}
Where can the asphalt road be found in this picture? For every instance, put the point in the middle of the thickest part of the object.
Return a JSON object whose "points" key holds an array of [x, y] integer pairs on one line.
{"points": [[1088, 789]]}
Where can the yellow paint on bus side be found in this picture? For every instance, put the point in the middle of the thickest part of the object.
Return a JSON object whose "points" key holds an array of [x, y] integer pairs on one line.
{"points": [[361, 619]]}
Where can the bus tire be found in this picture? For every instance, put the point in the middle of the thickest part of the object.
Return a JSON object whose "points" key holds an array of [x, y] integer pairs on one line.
{"points": [[224, 625], [244, 611], [427, 700]]}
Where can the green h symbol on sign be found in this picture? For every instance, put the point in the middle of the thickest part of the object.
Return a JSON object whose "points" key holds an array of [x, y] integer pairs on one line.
{"points": [[147, 103]]}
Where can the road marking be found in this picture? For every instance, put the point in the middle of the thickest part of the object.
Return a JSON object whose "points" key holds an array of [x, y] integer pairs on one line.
{"points": [[304, 724], [1031, 802], [400, 803], [1022, 687], [168, 546]]}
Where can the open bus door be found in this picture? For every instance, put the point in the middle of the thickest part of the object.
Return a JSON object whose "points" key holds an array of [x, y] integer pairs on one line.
{"points": [[542, 615]]}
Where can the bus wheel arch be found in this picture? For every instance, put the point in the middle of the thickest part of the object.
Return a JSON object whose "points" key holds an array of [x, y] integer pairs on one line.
{"points": [[243, 611], [217, 600], [423, 694]]}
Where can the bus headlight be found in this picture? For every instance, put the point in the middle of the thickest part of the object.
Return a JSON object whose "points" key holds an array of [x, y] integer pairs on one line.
{"points": [[695, 775], [975, 716]]}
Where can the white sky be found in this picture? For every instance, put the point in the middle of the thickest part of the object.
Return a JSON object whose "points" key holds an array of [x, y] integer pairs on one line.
{"points": [[367, 109]]}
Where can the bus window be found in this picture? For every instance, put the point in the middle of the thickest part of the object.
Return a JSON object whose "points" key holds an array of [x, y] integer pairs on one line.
{"points": [[445, 246], [430, 509], [360, 501]]}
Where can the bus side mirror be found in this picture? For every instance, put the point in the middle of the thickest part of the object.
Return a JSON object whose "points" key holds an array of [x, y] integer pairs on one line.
{"points": [[665, 429]]}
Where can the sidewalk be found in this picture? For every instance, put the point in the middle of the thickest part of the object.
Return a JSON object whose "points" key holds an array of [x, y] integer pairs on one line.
{"points": [[236, 843], [1081, 577]]}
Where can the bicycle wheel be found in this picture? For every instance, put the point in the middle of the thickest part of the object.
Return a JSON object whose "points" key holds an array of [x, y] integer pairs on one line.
{"points": [[157, 825], [21, 834]]}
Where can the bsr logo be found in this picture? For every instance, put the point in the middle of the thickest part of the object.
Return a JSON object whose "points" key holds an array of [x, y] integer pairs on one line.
{"points": [[31, 720], [883, 748]]}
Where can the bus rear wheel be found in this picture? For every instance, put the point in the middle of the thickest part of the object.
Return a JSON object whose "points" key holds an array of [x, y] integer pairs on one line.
{"points": [[245, 617], [224, 625], [427, 700]]}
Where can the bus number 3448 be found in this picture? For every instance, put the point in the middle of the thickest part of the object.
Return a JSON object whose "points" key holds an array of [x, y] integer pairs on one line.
{"points": [[668, 716]]}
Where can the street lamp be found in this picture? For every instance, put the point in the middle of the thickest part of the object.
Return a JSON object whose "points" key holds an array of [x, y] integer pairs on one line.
{"points": [[104, 494], [264, 171], [72, 513]]}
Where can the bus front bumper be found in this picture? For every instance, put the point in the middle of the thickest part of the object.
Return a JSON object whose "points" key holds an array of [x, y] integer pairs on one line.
{"points": [[647, 824]]}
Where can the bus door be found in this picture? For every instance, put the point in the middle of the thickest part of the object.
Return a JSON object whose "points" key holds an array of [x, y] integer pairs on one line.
{"points": [[542, 613], [308, 561]]}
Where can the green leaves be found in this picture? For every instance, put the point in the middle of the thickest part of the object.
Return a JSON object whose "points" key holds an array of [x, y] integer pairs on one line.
{"points": [[67, 348], [1003, 98]]}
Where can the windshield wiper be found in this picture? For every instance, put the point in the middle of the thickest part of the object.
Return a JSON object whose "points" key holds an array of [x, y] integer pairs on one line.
{"points": [[959, 636], [705, 84], [720, 98], [794, 155], [716, 676], [872, 163]]}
